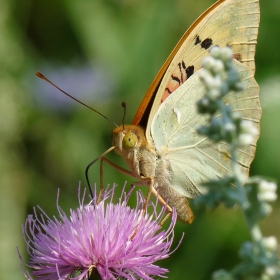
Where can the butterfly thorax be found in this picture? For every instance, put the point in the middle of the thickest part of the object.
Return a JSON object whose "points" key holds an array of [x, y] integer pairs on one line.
{"points": [[132, 145]]}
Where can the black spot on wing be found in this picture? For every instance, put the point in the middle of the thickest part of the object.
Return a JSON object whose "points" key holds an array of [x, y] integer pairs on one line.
{"points": [[168, 90], [189, 71], [197, 40], [174, 78], [180, 68], [206, 44]]}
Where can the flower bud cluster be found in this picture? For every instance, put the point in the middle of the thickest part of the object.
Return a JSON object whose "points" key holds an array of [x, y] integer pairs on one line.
{"points": [[271, 270], [260, 194], [248, 133], [218, 73], [220, 77], [254, 194], [267, 191], [270, 244]]}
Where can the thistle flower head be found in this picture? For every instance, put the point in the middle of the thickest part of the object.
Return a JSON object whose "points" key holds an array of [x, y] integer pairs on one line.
{"points": [[97, 238]]}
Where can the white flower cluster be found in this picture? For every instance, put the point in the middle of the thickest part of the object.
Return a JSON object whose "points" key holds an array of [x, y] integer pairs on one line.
{"points": [[248, 133], [270, 244], [267, 191], [214, 75], [269, 273], [266, 194], [213, 83], [213, 70]]}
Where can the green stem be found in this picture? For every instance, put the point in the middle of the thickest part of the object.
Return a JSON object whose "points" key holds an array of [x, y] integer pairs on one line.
{"points": [[245, 204]]}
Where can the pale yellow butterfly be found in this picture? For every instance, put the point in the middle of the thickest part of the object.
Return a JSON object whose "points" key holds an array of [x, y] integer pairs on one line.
{"points": [[162, 147]]}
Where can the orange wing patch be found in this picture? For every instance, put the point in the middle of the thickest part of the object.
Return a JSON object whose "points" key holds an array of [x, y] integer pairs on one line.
{"points": [[180, 75], [182, 71]]}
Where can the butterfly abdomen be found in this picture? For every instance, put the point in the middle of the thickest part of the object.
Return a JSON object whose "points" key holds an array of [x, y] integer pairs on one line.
{"points": [[180, 202], [173, 198]]}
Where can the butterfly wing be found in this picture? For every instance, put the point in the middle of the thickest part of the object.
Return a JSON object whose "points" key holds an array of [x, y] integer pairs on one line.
{"points": [[194, 158], [231, 23]]}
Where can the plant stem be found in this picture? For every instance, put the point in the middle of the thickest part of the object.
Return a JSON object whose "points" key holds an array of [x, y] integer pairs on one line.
{"points": [[245, 204]]}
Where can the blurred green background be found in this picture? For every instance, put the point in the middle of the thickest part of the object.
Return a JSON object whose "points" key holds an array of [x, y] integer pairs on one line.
{"points": [[105, 52]]}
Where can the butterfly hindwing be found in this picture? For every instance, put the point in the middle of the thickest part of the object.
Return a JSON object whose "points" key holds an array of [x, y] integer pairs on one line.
{"points": [[194, 158]]}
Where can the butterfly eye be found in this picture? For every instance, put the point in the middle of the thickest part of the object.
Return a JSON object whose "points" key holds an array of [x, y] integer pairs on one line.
{"points": [[129, 140]]}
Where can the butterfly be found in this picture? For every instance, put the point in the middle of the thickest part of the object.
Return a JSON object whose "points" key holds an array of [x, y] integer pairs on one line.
{"points": [[161, 146]]}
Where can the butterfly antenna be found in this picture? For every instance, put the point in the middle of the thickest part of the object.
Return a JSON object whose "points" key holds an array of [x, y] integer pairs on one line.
{"points": [[124, 113], [40, 75]]}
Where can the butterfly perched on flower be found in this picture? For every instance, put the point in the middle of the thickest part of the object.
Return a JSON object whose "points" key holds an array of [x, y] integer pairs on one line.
{"points": [[161, 146]]}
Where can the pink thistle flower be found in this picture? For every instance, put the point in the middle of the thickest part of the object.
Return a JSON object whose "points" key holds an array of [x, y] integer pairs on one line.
{"points": [[96, 240]]}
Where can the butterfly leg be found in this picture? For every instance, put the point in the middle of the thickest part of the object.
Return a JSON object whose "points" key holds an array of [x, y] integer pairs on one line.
{"points": [[146, 181], [122, 170], [166, 218], [101, 181], [151, 187], [154, 192], [150, 183], [160, 199]]}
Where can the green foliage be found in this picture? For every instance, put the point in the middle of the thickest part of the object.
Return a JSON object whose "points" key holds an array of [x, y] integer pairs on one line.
{"points": [[44, 147], [219, 191]]}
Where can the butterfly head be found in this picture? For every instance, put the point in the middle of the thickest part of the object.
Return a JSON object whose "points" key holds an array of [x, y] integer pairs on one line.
{"points": [[128, 138]]}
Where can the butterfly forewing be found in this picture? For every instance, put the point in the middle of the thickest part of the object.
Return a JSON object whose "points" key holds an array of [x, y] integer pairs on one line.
{"points": [[231, 23]]}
